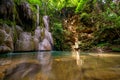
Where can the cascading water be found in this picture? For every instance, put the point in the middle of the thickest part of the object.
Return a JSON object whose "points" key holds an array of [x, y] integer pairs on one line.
{"points": [[41, 40], [47, 42], [37, 23], [46, 22]]}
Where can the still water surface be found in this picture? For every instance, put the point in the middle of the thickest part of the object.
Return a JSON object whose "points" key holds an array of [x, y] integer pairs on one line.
{"points": [[59, 65]]}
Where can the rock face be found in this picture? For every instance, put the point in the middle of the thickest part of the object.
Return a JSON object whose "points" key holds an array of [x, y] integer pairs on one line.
{"points": [[6, 39], [25, 42], [6, 9], [41, 40], [22, 34], [26, 16]]}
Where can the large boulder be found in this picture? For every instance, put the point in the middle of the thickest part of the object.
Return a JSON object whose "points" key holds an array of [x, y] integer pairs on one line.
{"points": [[25, 42], [45, 45], [6, 39]]}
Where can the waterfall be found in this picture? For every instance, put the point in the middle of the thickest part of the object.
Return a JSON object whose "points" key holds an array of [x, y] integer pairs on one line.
{"points": [[41, 40], [46, 22], [37, 22], [47, 42], [37, 33]]}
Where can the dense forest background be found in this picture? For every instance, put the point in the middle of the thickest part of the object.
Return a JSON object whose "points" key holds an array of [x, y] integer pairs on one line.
{"points": [[96, 23]]}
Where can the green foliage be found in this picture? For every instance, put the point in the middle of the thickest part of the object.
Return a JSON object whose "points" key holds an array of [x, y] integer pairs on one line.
{"points": [[117, 41], [8, 22], [116, 49], [58, 36], [103, 44], [103, 17], [117, 21], [81, 5], [58, 5], [84, 16], [74, 2], [58, 28], [34, 2], [17, 2]]}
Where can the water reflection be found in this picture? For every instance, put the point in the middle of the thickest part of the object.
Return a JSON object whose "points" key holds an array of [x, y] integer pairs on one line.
{"points": [[22, 71], [28, 67], [60, 66], [45, 60], [75, 53], [76, 56]]}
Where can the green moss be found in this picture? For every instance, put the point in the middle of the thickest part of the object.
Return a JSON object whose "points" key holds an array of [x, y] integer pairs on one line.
{"points": [[116, 49], [8, 22], [103, 44], [19, 1]]}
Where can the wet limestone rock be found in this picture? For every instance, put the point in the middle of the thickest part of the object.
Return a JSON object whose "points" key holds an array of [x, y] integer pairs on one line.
{"points": [[45, 45], [24, 42], [6, 39]]}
